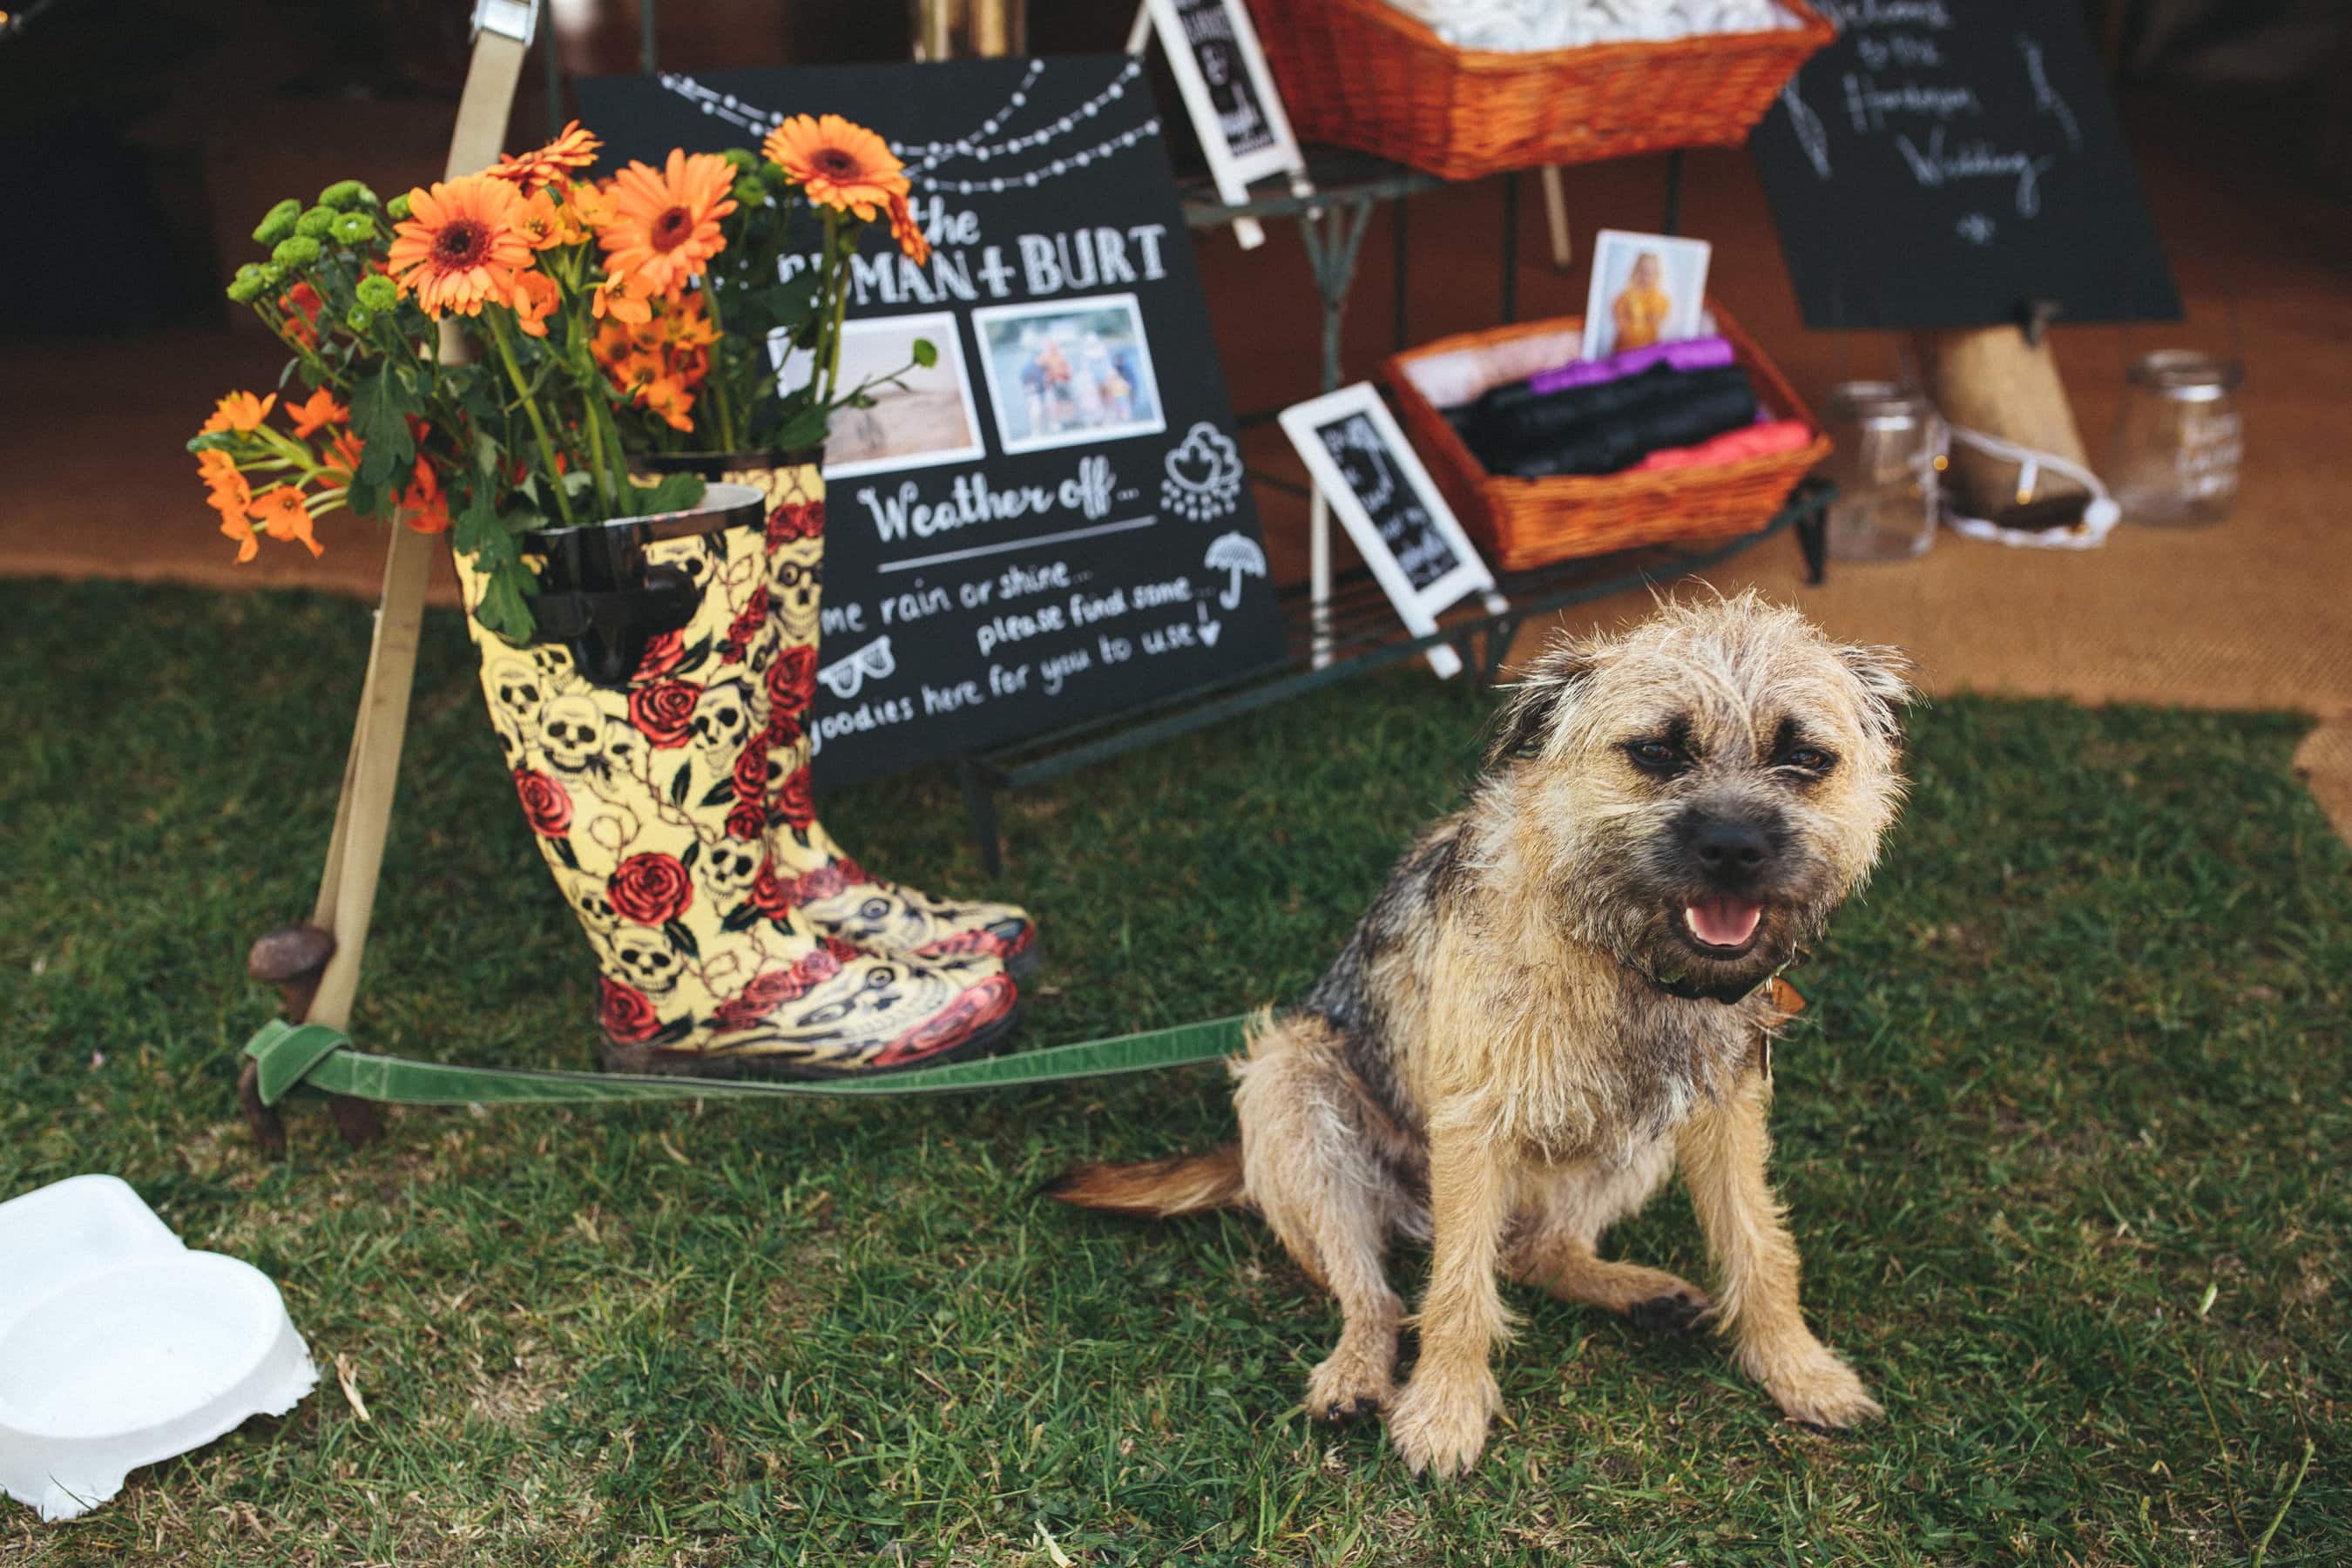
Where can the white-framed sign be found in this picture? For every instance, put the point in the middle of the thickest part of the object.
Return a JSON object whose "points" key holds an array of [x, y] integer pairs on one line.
{"points": [[1363, 465], [1229, 95]]}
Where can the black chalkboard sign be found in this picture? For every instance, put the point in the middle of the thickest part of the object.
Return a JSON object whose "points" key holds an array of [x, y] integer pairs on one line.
{"points": [[1364, 466], [1051, 525], [1210, 33], [1946, 162]]}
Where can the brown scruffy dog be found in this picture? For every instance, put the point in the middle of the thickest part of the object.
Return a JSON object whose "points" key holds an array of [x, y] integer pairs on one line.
{"points": [[1563, 995]]}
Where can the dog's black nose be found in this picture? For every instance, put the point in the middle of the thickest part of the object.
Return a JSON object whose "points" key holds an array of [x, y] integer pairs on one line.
{"points": [[1729, 850]]}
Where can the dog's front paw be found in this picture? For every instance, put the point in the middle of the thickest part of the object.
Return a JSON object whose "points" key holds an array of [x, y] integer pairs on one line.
{"points": [[1820, 1390], [1349, 1383], [1440, 1424]]}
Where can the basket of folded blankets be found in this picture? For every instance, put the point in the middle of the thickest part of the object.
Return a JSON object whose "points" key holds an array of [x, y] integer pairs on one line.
{"points": [[1465, 88], [1546, 455]]}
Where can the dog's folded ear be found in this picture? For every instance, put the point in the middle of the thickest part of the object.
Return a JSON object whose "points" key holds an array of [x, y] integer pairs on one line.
{"points": [[1884, 674], [1544, 694]]}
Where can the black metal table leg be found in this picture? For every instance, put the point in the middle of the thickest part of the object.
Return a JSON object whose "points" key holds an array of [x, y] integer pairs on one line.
{"points": [[1813, 538], [980, 805], [1674, 221], [1402, 250], [1510, 247]]}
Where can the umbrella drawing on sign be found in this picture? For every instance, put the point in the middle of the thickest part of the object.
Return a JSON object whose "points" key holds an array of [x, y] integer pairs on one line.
{"points": [[1237, 554]]}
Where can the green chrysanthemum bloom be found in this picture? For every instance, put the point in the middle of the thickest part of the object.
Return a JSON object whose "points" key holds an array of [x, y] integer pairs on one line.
{"points": [[750, 193], [297, 253], [247, 286], [272, 275], [315, 223], [741, 157], [359, 318], [348, 196], [352, 228], [280, 223], [774, 173], [396, 209], [378, 292]]}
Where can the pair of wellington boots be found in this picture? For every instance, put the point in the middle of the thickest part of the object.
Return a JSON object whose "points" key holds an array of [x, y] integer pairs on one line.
{"points": [[671, 802]]}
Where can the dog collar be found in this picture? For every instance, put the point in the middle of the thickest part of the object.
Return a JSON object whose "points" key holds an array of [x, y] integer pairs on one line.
{"points": [[1784, 997]]}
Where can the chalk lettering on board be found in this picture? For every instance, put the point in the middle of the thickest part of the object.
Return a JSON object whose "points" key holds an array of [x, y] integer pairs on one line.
{"points": [[2047, 96], [1936, 164]]}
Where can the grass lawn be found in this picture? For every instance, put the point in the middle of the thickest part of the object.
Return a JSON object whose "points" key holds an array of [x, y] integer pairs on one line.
{"points": [[2064, 1134]]}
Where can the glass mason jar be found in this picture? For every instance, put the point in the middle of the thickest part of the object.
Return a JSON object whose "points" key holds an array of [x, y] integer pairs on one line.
{"points": [[1885, 466], [2178, 439]]}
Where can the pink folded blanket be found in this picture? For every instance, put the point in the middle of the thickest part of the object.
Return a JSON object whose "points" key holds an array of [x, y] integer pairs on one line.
{"points": [[1753, 441]]}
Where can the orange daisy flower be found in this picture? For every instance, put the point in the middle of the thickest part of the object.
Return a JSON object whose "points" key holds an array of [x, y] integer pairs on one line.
{"points": [[241, 412], [665, 397], [282, 514], [572, 149], [302, 315], [686, 326], [542, 223], [343, 453], [426, 507], [535, 299], [908, 232], [459, 245], [840, 164], [664, 227], [218, 470], [316, 412], [623, 297]]}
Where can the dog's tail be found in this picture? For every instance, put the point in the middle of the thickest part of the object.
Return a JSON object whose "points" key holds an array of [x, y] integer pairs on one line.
{"points": [[1157, 1189]]}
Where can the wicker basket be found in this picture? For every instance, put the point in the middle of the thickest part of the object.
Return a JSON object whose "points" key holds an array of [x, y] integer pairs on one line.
{"points": [[1524, 523], [1361, 73]]}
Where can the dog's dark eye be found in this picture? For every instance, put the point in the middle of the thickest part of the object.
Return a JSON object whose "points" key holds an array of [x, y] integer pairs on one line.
{"points": [[1655, 756], [1811, 759]]}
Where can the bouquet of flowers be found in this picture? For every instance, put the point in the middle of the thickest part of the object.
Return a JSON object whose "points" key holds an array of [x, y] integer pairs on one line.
{"points": [[643, 312]]}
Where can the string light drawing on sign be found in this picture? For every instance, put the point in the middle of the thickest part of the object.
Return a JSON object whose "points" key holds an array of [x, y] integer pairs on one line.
{"points": [[1205, 475], [923, 158]]}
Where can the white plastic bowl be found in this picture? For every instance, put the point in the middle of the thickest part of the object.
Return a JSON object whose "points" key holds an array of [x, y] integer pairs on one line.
{"points": [[119, 1347]]}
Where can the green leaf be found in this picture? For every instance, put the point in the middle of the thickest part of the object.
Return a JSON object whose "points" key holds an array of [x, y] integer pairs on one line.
{"points": [[927, 353], [379, 418], [671, 492], [805, 427]]}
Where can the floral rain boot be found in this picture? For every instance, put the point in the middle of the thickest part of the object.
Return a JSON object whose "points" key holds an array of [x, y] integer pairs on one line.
{"points": [[649, 800], [840, 898]]}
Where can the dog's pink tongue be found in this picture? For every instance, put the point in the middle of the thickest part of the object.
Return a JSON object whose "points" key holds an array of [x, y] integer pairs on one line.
{"points": [[1722, 921]]}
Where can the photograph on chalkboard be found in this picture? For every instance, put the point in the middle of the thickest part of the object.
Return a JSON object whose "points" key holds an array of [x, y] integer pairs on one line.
{"points": [[1945, 166], [1229, 94], [922, 416], [1384, 498], [1006, 558], [1068, 372], [1647, 288]]}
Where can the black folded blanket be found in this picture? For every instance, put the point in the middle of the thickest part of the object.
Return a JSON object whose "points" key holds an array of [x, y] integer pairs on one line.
{"points": [[1611, 425]]}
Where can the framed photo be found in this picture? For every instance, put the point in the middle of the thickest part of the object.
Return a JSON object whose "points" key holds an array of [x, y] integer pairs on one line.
{"points": [[926, 417], [1063, 372], [1647, 288], [1229, 95], [1369, 475]]}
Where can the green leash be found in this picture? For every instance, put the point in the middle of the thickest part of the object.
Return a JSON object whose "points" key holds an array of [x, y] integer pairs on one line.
{"points": [[313, 1055]]}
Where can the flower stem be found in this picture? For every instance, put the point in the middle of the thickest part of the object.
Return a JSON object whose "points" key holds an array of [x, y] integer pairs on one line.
{"points": [[719, 380], [539, 425]]}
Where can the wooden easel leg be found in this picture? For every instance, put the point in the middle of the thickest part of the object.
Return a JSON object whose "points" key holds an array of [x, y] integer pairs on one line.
{"points": [[1563, 249], [318, 965]]}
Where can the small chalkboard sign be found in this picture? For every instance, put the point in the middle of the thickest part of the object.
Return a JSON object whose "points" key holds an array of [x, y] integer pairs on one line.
{"points": [[1050, 524], [1229, 95], [1950, 164], [1363, 465]]}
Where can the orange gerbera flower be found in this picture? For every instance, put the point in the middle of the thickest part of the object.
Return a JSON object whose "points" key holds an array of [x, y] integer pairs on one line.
{"points": [[841, 164], [283, 514], [459, 245], [241, 412], [664, 227], [572, 149], [908, 232], [316, 412], [665, 397], [536, 297]]}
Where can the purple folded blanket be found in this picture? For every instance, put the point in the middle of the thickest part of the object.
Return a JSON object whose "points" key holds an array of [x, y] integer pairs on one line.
{"points": [[1690, 354]]}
